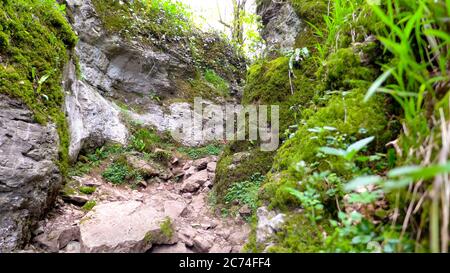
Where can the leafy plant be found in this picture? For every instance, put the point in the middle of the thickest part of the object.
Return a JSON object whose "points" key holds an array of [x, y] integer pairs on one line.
{"points": [[196, 153], [350, 152], [310, 200], [117, 173], [245, 192]]}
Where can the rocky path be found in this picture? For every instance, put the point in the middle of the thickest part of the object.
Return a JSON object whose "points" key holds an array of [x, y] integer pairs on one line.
{"points": [[162, 217]]}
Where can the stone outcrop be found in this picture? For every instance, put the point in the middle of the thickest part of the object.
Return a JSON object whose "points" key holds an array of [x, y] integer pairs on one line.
{"points": [[133, 73], [269, 223], [29, 175], [93, 121], [123, 227], [281, 24]]}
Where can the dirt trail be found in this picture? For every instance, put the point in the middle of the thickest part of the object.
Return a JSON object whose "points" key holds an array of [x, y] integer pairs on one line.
{"points": [[195, 226]]}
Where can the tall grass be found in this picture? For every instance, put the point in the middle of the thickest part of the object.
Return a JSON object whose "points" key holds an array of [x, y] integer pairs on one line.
{"points": [[339, 14], [416, 34]]}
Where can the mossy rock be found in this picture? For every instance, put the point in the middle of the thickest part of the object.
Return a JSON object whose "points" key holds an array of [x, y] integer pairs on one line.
{"points": [[343, 71], [35, 44], [229, 172]]}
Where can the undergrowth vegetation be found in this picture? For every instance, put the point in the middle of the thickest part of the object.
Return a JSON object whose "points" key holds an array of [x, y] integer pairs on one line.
{"points": [[365, 149]]}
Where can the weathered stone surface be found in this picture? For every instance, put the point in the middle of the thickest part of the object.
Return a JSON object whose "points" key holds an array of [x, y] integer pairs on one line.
{"points": [[123, 227], [190, 187], [281, 24], [174, 209], [211, 167], [29, 176], [268, 223], [93, 121], [201, 164], [220, 249], [133, 72], [145, 167], [72, 247], [202, 244], [57, 239], [245, 211], [78, 200], [199, 178], [177, 248]]}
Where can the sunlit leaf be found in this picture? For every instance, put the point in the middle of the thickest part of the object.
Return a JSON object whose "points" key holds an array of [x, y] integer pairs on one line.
{"points": [[332, 151], [358, 146], [362, 182], [377, 84]]}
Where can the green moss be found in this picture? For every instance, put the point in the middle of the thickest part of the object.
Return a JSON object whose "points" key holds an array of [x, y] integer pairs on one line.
{"points": [[200, 152], [205, 86], [35, 42], [167, 228], [87, 190], [298, 235], [343, 71], [229, 173], [311, 10], [217, 81], [158, 18], [89, 205]]}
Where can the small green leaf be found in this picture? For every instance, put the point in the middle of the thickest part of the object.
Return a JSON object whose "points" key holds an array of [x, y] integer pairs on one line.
{"points": [[43, 79], [362, 182], [377, 84], [332, 151], [358, 146]]}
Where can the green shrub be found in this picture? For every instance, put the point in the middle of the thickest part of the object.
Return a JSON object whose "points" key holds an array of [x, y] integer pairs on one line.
{"points": [[117, 173], [245, 192], [167, 228]]}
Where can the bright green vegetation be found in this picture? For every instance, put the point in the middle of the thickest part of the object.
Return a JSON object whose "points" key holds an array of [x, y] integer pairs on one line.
{"points": [[87, 190], [148, 140], [120, 172], [94, 159], [35, 43], [117, 173], [229, 172], [246, 192], [200, 152], [218, 82], [167, 228], [89, 205], [158, 18], [374, 74]]}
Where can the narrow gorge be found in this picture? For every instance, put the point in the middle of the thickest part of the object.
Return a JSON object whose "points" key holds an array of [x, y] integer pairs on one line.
{"points": [[98, 155]]}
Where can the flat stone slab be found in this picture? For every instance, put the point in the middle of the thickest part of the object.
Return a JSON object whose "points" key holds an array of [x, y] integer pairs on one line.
{"points": [[122, 227]]}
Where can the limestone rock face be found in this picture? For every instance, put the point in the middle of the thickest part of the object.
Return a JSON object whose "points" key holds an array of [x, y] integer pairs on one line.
{"points": [[281, 24], [29, 176], [92, 119], [114, 69], [268, 224]]}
